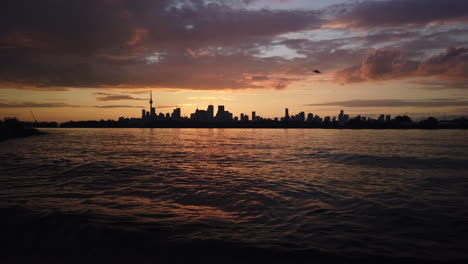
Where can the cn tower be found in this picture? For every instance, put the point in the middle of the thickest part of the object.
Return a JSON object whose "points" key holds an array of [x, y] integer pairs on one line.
{"points": [[151, 100]]}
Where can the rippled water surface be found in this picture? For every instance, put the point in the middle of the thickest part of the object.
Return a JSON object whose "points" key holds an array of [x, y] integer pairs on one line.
{"points": [[372, 192]]}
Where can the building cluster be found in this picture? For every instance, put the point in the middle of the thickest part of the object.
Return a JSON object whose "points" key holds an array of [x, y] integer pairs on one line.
{"points": [[151, 114], [222, 115], [208, 115]]}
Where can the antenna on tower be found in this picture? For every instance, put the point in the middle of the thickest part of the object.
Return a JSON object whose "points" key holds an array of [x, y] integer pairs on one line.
{"points": [[32, 114]]}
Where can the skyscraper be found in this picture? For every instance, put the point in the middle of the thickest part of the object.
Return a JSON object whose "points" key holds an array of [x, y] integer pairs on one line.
{"points": [[220, 113], [220, 109], [286, 114], [301, 116], [176, 113], [210, 112], [381, 118], [341, 116], [253, 115]]}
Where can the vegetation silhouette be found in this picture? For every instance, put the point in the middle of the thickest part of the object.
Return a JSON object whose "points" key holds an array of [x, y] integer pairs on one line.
{"points": [[13, 128]]}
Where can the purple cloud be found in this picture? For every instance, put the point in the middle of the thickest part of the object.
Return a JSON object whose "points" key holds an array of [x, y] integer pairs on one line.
{"points": [[386, 64]]}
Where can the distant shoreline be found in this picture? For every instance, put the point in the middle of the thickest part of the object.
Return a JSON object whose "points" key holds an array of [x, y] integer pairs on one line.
{"points": [[403, 122], [315, 128]]}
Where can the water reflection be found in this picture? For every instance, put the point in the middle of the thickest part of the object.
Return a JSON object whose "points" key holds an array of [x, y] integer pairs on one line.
{"points": [[334, 190]]}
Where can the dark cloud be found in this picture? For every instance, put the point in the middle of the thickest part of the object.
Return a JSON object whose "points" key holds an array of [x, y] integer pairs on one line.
{"points": [[166, 106], [451, 64], [35, 105], [436, 84], [379, 65], [385, 64], [146, 43], [5, 104], [112, 97], [211, 45], [396, 103], [132, 106], [117, 106], [397, 13]]}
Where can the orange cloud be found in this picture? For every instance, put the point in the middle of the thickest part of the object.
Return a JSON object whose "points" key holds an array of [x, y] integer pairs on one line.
{"points": [[138, 35]]}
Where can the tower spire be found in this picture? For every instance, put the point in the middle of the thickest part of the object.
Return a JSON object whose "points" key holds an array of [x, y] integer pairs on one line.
{"points": [[151, 99]]}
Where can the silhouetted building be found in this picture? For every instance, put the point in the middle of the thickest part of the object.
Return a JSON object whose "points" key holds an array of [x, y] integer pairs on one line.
{"points": [[143, 113], [254, 116], [199, 115], [301, 116], [341, 116], [176, 114], [222, 115], [388, 118], [220, 109], [381, 118], [210, 112]]}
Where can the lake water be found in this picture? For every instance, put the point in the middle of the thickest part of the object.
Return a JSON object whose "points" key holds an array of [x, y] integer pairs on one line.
{"points": [[359, 193]]}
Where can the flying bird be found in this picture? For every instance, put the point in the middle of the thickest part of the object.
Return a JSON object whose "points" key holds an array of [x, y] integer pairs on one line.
{"points": [[317, 71]]}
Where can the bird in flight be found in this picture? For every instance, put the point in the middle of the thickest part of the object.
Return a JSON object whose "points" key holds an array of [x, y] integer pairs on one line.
{"points": [[317, 71]]}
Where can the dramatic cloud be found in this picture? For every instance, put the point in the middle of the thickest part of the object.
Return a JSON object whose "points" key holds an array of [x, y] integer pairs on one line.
{"points": [[123, 43], [452, 64], [397, 13], [385, 64], [214, 45], [396, 103]]}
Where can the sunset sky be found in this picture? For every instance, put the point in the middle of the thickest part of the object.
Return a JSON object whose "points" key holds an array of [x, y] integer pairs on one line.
{"points": [[98, 59]]}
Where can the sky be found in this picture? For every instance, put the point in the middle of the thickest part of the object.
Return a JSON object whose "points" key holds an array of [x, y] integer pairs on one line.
{"points": [[98, 59]]}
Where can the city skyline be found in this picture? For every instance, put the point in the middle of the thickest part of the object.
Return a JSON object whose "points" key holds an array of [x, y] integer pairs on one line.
{"points": [[221, 115]]}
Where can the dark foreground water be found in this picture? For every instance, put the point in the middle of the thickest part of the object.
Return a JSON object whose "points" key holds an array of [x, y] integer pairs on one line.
{"points": [[149, 195]]}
